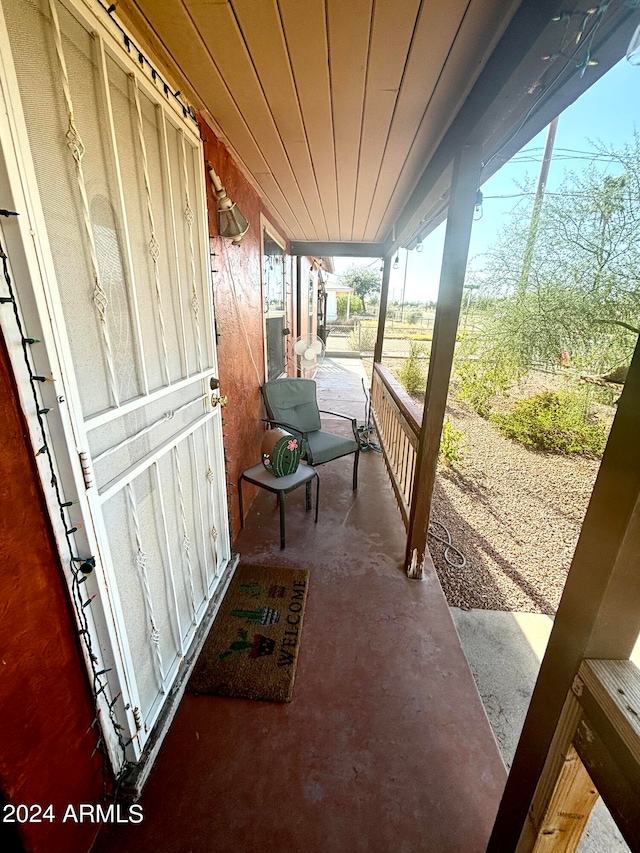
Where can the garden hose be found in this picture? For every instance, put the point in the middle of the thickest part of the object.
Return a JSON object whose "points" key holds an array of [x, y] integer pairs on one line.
{"points": [[367, 429], [449, 547]]}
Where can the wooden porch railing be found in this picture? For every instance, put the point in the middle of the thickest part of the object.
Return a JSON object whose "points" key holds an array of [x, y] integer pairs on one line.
{"points": [[397, 420]]}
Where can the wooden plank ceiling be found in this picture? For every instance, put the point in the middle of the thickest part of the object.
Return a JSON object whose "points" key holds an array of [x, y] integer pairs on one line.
{"points": [[332, 108], [346, 115]]}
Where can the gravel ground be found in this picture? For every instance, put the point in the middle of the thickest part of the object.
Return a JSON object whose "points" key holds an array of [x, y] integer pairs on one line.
{"points": [[514, 513]]}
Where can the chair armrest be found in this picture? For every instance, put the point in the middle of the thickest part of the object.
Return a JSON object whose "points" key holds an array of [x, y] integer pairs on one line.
{"points": [[354, 421], [336, 414], [285, 426]]}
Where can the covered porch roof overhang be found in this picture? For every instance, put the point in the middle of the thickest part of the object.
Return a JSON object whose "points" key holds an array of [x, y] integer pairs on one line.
{"points": [[347, 118], [524, 85]]}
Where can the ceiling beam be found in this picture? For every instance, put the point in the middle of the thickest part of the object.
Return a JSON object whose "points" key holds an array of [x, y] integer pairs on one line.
{"points": [[608, 48], [527, 25], [315, 249], [511, 102]]}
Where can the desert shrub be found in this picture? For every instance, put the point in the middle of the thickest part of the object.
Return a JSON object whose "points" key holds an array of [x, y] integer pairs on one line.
{"points": [[412, 374], [362, 338], [451, 443], [413, 317], [554, 422], [480, 378]]}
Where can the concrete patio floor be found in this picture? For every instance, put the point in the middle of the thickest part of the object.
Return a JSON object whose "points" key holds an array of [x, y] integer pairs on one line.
{"points": [[385, 746]]}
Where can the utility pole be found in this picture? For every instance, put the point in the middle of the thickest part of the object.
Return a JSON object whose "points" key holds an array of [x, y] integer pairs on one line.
{"points": [[537, 208], [468, 288], [404, 284]]}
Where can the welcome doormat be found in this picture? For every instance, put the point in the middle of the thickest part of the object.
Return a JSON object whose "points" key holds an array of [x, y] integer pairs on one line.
{"points": [[252, 649]]}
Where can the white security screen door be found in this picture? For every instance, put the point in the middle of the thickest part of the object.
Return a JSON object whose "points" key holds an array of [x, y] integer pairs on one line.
{"points": [[116, 168]]}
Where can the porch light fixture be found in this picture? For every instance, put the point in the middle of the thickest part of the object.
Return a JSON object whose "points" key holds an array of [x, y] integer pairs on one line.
{"points": [[231, 222]]}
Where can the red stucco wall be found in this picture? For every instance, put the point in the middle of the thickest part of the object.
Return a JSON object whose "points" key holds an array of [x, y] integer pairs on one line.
{"points": [[45, 750], [237, 297]]}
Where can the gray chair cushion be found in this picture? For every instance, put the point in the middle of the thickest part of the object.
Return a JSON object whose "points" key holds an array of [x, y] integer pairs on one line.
{"points": [[293, 401], [325, 446]]}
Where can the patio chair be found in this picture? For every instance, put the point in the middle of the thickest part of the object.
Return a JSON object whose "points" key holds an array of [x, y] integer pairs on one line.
{"points": [[293, 405]]}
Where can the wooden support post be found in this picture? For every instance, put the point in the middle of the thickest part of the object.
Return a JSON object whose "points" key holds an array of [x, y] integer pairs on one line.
{"points": [[382, 309], [464, 186], [597, 616], [569, 808], [566, 796], [608, 738], [595, 751]]}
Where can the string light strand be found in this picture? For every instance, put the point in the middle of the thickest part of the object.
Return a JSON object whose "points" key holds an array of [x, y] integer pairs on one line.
{"points": [[187, 110], [597, 15], [79, 567]]}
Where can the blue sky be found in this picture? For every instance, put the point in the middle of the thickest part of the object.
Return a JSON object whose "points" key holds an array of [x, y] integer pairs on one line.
{"points": [[608, 112]]}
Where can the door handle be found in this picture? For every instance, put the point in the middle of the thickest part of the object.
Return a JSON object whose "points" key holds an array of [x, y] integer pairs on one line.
{"points": [[217, 399]]}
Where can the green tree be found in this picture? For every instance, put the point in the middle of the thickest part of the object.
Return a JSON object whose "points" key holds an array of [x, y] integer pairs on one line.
{"points": [[579, 305], [342, 300], [365, 281]]}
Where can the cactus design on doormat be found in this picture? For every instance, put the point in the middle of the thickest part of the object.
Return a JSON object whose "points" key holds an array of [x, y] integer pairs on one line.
{"points": [[255, 590], [259, 647], [260, 616]]}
